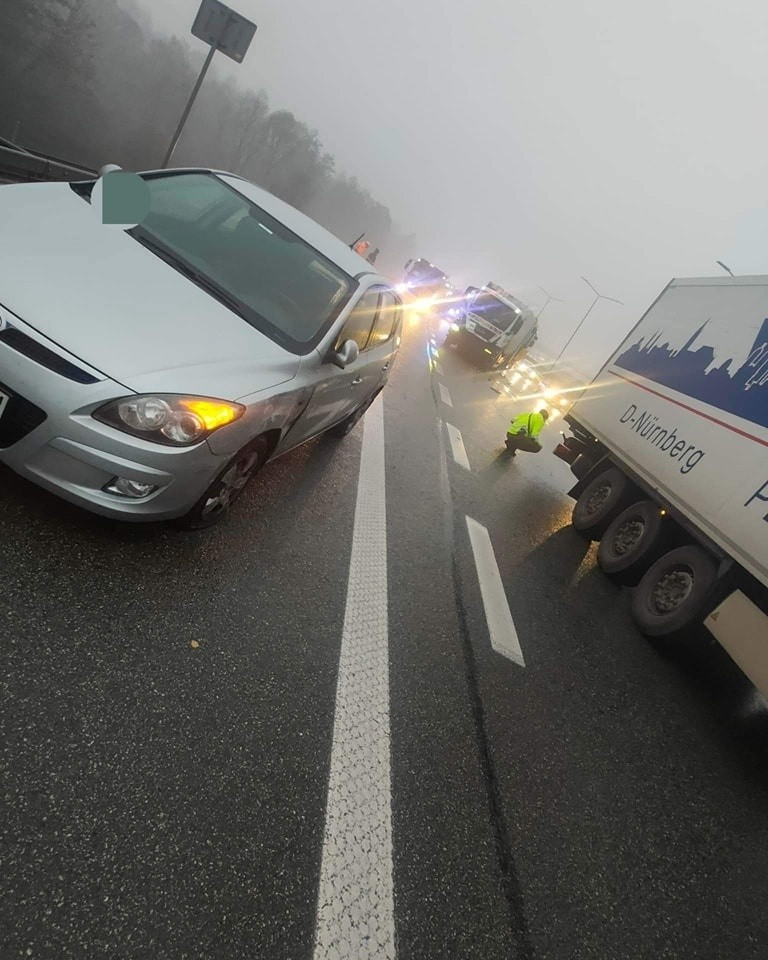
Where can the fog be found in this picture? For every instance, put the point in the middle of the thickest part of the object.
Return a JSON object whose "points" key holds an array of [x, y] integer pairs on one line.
{"points": [[530, 143]]}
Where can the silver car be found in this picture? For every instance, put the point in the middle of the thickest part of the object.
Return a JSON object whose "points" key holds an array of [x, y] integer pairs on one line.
{"points": [[148, 373]]}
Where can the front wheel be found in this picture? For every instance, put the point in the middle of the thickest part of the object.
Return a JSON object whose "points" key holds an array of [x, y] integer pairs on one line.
{"points": [[217, 500], [347, 425]]}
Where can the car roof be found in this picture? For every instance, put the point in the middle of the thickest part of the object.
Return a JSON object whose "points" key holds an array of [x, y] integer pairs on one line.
{"points": [[308, 229]]}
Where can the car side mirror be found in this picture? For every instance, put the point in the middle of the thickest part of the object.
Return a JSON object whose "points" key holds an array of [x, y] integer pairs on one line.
{"points": [[347, 353]]}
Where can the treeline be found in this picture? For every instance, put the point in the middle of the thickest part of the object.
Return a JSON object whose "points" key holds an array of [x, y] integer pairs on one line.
{"points": [[90, 81]]}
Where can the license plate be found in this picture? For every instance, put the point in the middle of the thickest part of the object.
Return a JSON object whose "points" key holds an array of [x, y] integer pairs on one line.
{"points": [[3, 401]]}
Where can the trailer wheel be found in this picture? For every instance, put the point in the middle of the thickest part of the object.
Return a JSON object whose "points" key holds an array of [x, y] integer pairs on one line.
{"points": [[673, 594], [600, 501], [632, 542]]}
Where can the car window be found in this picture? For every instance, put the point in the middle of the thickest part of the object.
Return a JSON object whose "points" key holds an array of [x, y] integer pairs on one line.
{"points": [[273, 278], [386, 318], [516, 327], [359, 322]]}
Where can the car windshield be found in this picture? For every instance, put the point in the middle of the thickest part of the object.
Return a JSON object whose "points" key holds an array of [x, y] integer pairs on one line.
{"points": [[494, 311], [425, 273], [271, 277]]}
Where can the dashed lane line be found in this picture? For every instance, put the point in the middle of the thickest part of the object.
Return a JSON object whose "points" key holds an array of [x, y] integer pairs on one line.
{"points": [[439, 370], [355, 907], [445, 395], [457, 446], [501, 626]]}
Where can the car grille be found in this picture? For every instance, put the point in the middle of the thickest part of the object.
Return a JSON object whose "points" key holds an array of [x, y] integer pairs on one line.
{"points": [[483, 333], [18, 418], [20, 342]]}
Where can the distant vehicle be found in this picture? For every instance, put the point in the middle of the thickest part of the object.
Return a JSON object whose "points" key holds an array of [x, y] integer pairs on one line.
{"points": [[424, 281], [670, 456], [148, 374], [492, 326]]}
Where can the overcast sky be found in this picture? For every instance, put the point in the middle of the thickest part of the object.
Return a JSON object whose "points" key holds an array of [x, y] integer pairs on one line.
{"points": [[532, 142]]}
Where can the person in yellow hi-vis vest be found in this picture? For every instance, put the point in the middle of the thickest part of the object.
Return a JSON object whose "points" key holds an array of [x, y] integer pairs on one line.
{"points": [[523, 432]]}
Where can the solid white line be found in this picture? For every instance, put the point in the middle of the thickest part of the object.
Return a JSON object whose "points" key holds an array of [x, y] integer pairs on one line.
{"points": [[501, 626], [355, 905], [445, 396], [457, 446]]}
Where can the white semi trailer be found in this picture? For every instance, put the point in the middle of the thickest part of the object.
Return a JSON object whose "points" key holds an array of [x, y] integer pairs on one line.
{"points": [[670, 448]]}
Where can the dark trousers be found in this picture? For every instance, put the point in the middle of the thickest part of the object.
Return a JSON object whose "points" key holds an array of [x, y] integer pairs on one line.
{"points": [[522, 442]]}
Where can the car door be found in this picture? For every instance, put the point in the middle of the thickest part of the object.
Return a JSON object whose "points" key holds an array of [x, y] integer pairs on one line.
{"points": [[383, 342], [336, 392]]}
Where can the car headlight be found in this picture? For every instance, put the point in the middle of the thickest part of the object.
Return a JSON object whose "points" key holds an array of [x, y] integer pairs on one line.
{"points": [[178, 421]]}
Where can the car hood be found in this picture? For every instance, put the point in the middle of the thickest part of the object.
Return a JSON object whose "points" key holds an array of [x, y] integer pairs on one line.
{"points": [[102, 296]]}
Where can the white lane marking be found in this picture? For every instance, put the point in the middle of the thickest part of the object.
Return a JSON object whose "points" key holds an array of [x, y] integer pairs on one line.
{"points": [[439, 370], [501, 626], [444, 395], [457, 446], [355, 905]]}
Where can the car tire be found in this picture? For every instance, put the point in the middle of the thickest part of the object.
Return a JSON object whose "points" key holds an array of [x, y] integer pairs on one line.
{"points": [[600, 501], [346, 426], [227, 487], [674, 593], [633, 542]]}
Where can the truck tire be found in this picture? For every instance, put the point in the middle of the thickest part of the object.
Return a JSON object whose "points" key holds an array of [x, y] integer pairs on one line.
{"points": [[600, 501], [674, 593], [632, 542]]}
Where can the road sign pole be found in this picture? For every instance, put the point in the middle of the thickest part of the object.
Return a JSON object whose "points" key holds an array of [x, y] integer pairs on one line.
{"points": [[190, 102]]}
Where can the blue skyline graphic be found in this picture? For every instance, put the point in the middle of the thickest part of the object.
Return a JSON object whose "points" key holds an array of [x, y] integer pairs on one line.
{"points": [[690, 370]]}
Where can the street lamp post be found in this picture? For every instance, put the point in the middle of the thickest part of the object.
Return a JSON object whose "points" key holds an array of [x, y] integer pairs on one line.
{"points": [[546, 303], [598, 296], [724, 266]]}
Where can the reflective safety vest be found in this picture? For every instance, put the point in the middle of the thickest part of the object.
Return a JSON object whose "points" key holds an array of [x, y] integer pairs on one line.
{"points": [[532, 423]]}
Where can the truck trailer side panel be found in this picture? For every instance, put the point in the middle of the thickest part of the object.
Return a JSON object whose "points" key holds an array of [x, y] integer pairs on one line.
{"points": [[684, 402]]}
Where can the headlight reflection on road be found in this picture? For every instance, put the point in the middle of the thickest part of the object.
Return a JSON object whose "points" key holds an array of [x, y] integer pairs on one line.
{"points": [[433, 354]]}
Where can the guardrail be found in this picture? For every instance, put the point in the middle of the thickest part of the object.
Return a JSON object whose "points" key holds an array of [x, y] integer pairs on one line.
{"points": [[19, 165]]}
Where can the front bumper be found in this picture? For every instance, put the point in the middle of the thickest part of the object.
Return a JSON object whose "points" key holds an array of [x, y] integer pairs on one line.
{"points": [[475, 346], [63, 449]]}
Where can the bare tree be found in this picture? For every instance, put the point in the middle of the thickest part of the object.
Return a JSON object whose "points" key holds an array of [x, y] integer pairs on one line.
{"points": [[90, 80]]}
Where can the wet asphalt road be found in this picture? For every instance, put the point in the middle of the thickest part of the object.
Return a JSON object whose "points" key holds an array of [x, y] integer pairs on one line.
{"points": [[168, 700]]}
